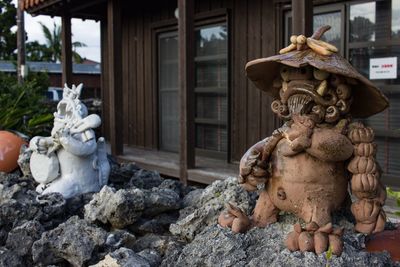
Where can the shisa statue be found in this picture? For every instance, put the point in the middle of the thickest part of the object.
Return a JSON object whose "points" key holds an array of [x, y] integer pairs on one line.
{"points": [[305, 167], [70, 161]]}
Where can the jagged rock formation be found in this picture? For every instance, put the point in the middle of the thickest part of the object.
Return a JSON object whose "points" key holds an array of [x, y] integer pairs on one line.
{"points": [[141, 219]]}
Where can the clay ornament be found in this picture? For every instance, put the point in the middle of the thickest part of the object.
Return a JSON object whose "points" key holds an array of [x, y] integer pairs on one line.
{"points": [[305, 167], [10, 145], [70, 161]]}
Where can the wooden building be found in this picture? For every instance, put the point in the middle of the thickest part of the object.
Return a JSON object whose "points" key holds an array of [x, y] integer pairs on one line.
{"points": [[176, 97]]}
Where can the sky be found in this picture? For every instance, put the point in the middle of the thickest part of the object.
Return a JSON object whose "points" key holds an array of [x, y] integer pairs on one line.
{"points": [[87, 32]]}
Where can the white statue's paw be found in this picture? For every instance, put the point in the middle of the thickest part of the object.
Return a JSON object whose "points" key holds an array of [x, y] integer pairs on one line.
{"points": [[40, 188], [64, 140]]}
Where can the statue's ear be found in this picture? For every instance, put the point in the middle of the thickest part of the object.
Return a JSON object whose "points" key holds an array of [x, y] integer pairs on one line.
{"points": [[78, 90], [66, 89]]}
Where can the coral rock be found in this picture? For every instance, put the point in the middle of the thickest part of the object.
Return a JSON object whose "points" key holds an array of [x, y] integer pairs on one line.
{"points": [[204, 209], [73, 241], [122, 257], [21, 238], [119, 208]]}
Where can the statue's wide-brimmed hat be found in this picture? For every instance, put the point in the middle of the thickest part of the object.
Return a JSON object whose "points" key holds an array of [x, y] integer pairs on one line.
{"points": [[368, 99]]}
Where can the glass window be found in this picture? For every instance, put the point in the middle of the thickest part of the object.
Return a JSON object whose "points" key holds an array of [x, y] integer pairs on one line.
{"points": [[211, 137], [212, 107], [373, 32], [333, 18], [395, 18], [377, 24], [362, 22], [211, 88], [360, 58], [211, 40], [168, 92]]}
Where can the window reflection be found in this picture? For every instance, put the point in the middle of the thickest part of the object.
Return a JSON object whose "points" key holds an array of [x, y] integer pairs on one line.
{"points": [[386, 123], [396, 18], [360, 59], [334, 20], [362, 22], [211, 40], [211, 63], [168, 92]]}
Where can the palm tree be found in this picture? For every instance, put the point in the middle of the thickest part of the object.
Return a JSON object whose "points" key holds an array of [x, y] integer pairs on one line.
{"points": [[53, 43], [37, 52]]}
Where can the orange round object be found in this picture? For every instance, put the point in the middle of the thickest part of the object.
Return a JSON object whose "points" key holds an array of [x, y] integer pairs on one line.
{"points": [[10, 144], [388, 240]]}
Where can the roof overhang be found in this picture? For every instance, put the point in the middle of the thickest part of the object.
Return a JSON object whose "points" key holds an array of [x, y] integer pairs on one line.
{"points": [[88, 9]]}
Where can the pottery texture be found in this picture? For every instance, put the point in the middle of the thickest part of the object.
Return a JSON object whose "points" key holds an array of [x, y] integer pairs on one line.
{"points": [[305, 167], [10, 145]]}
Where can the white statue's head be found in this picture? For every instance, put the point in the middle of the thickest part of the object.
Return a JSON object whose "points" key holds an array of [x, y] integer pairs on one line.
{"points": [[70, 108]]}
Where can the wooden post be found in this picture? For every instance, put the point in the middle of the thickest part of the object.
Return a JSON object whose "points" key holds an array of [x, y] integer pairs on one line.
{"points": [[186, 86], [21, 68], [114, 54], [302, 17], [66, 49], [105, 112]]}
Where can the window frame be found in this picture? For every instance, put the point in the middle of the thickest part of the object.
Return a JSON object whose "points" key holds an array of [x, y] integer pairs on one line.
{"points": [[209, 91], [202, 19]]}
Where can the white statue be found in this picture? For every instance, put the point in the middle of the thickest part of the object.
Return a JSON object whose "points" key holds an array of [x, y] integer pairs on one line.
{"points": [[70, 161]]}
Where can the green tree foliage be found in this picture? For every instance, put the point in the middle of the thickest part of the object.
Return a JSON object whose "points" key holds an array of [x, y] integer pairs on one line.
{"points": [[37, 52], [53, 41], [8, 39], [361, 29], [396, 196], [51, 51], [23, 107]]}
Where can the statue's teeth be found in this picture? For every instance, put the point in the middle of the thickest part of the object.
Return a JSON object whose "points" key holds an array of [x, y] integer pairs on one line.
{"points": [[322, 88], [298, 102]]}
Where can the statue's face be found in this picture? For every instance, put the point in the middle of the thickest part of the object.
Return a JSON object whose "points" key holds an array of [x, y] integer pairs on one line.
{"points": [[70, 108], [67, 109], [310, 91]]}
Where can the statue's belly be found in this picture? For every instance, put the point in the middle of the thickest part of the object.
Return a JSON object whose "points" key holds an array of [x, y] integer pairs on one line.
{"points": [[303, 184], [72, 164]]}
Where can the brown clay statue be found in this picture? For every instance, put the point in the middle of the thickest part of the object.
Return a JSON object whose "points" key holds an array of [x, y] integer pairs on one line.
{"points": [[305, 167]]}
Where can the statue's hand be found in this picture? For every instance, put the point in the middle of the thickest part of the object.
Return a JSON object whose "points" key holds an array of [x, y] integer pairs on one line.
{"points": [[302, 126], [64, 136], [40, 144], [253, 171], [300, 132], [90, 122]]}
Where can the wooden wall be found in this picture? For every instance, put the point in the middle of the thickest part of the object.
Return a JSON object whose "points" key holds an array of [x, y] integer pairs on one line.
{"points": [[252, 35], [140, 92]]}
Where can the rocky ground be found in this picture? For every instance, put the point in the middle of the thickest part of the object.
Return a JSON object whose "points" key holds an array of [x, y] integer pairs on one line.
{"points": [[141, 219]]}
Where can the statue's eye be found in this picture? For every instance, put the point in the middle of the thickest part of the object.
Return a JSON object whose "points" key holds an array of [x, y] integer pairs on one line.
{"points": [[303, 71]]}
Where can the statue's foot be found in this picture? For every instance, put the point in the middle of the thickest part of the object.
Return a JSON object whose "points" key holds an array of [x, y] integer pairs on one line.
{"points": [[235, 218], [315, 239]]}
